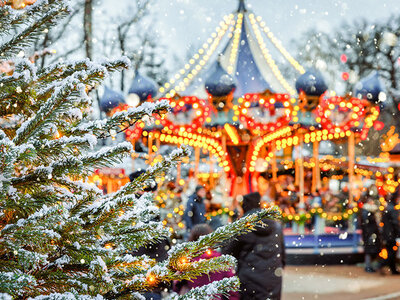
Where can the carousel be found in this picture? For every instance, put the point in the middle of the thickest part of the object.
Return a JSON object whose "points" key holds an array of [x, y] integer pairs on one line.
{"points": [[252, 127]]}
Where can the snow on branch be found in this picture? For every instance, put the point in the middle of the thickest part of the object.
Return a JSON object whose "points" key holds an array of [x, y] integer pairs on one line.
{"points": [[102, 128]]}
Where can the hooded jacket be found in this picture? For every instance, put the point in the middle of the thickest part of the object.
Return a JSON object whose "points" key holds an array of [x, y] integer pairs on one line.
{"points": [[261, 258]]}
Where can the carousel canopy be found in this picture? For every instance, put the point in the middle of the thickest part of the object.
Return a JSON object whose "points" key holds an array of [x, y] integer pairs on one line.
{"points": [[239, 47], [110, 99], [143, 86]]}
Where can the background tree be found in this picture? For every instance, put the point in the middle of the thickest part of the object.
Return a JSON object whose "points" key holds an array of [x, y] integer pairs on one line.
{"points": [[356, 49]]}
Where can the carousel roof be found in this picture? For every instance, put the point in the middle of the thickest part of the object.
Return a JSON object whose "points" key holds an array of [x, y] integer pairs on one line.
{"points": [[220, 83], [110, 99], [312, 83], [239, 47], [143, 86], [370, 88]]}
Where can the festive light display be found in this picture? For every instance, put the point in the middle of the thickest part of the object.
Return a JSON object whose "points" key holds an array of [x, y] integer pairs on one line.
{"points": [[17, 4], [277, 43], [340, 114], [266, 101], [271, 62], [202, 56]]}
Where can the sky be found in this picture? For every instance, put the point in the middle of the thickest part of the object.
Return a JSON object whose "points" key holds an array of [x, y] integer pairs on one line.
{"points": [[184, 22]]}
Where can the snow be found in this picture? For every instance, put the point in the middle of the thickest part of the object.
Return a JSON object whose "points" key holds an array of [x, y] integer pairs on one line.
{"points": [[60, 262], [66, 296]]}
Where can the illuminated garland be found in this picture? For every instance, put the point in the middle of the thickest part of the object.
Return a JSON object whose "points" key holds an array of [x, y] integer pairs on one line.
{"points": [[306, 216], [201, 109], [277, 43], [264, 140], [195, 140], [268, 101], [235, 43], [354, 108], [205, 53], [268, 57]]}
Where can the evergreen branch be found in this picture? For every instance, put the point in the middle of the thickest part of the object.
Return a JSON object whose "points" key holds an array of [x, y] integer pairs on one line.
{"points": [[147, 178], [18, 42], [61, 69], [219, 236], [64, 146], [71, 86], [28, 128], [137, 235], [209, 291], [11, 20], [125, 118], [106, 156]]}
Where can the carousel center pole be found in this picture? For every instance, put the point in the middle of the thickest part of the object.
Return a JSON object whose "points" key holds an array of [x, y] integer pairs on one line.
{"points": [[351, 147]]}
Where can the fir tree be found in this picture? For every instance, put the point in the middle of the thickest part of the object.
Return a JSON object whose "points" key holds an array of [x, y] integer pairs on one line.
{"points": [[60, 237]]}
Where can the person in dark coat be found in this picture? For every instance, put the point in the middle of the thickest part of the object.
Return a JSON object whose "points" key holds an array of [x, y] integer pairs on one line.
{"points": [[391, 230], [370, 233], [195, 208], [260, 255]]}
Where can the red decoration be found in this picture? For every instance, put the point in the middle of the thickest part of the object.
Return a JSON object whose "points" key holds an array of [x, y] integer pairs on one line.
{"points": [[345, 76], [379, 125], [200, 108], [269, 102], [343, 58], [350, 111]]}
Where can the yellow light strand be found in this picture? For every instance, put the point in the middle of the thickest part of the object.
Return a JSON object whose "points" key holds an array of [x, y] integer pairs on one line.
{"points": [[207, 49], [235, 43], [278, 45], [270, 61]]}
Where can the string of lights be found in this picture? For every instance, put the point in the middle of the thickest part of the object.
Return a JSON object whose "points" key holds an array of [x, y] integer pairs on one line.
{"points": [[268, 57], [278, 45], [235, 43], [179, 84]]}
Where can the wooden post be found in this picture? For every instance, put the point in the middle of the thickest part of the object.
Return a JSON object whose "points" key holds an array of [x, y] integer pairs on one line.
{"points": [[158, 144], [178, 173], [274, 165], [133, 156], [316, 179], [196, 161], [351, 147], [296, 166], [150, 146], [211, 164]]}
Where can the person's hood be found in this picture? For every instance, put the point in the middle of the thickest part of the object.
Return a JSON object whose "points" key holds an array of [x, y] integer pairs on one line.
{"points": [[251, 201], [267, 228]]}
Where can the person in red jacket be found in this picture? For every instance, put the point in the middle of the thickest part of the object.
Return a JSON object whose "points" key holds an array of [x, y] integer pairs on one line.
{"points": [[185, 286]]}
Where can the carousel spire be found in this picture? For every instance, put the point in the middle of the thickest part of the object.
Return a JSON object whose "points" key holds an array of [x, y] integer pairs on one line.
{"points": [[242, 6]]}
